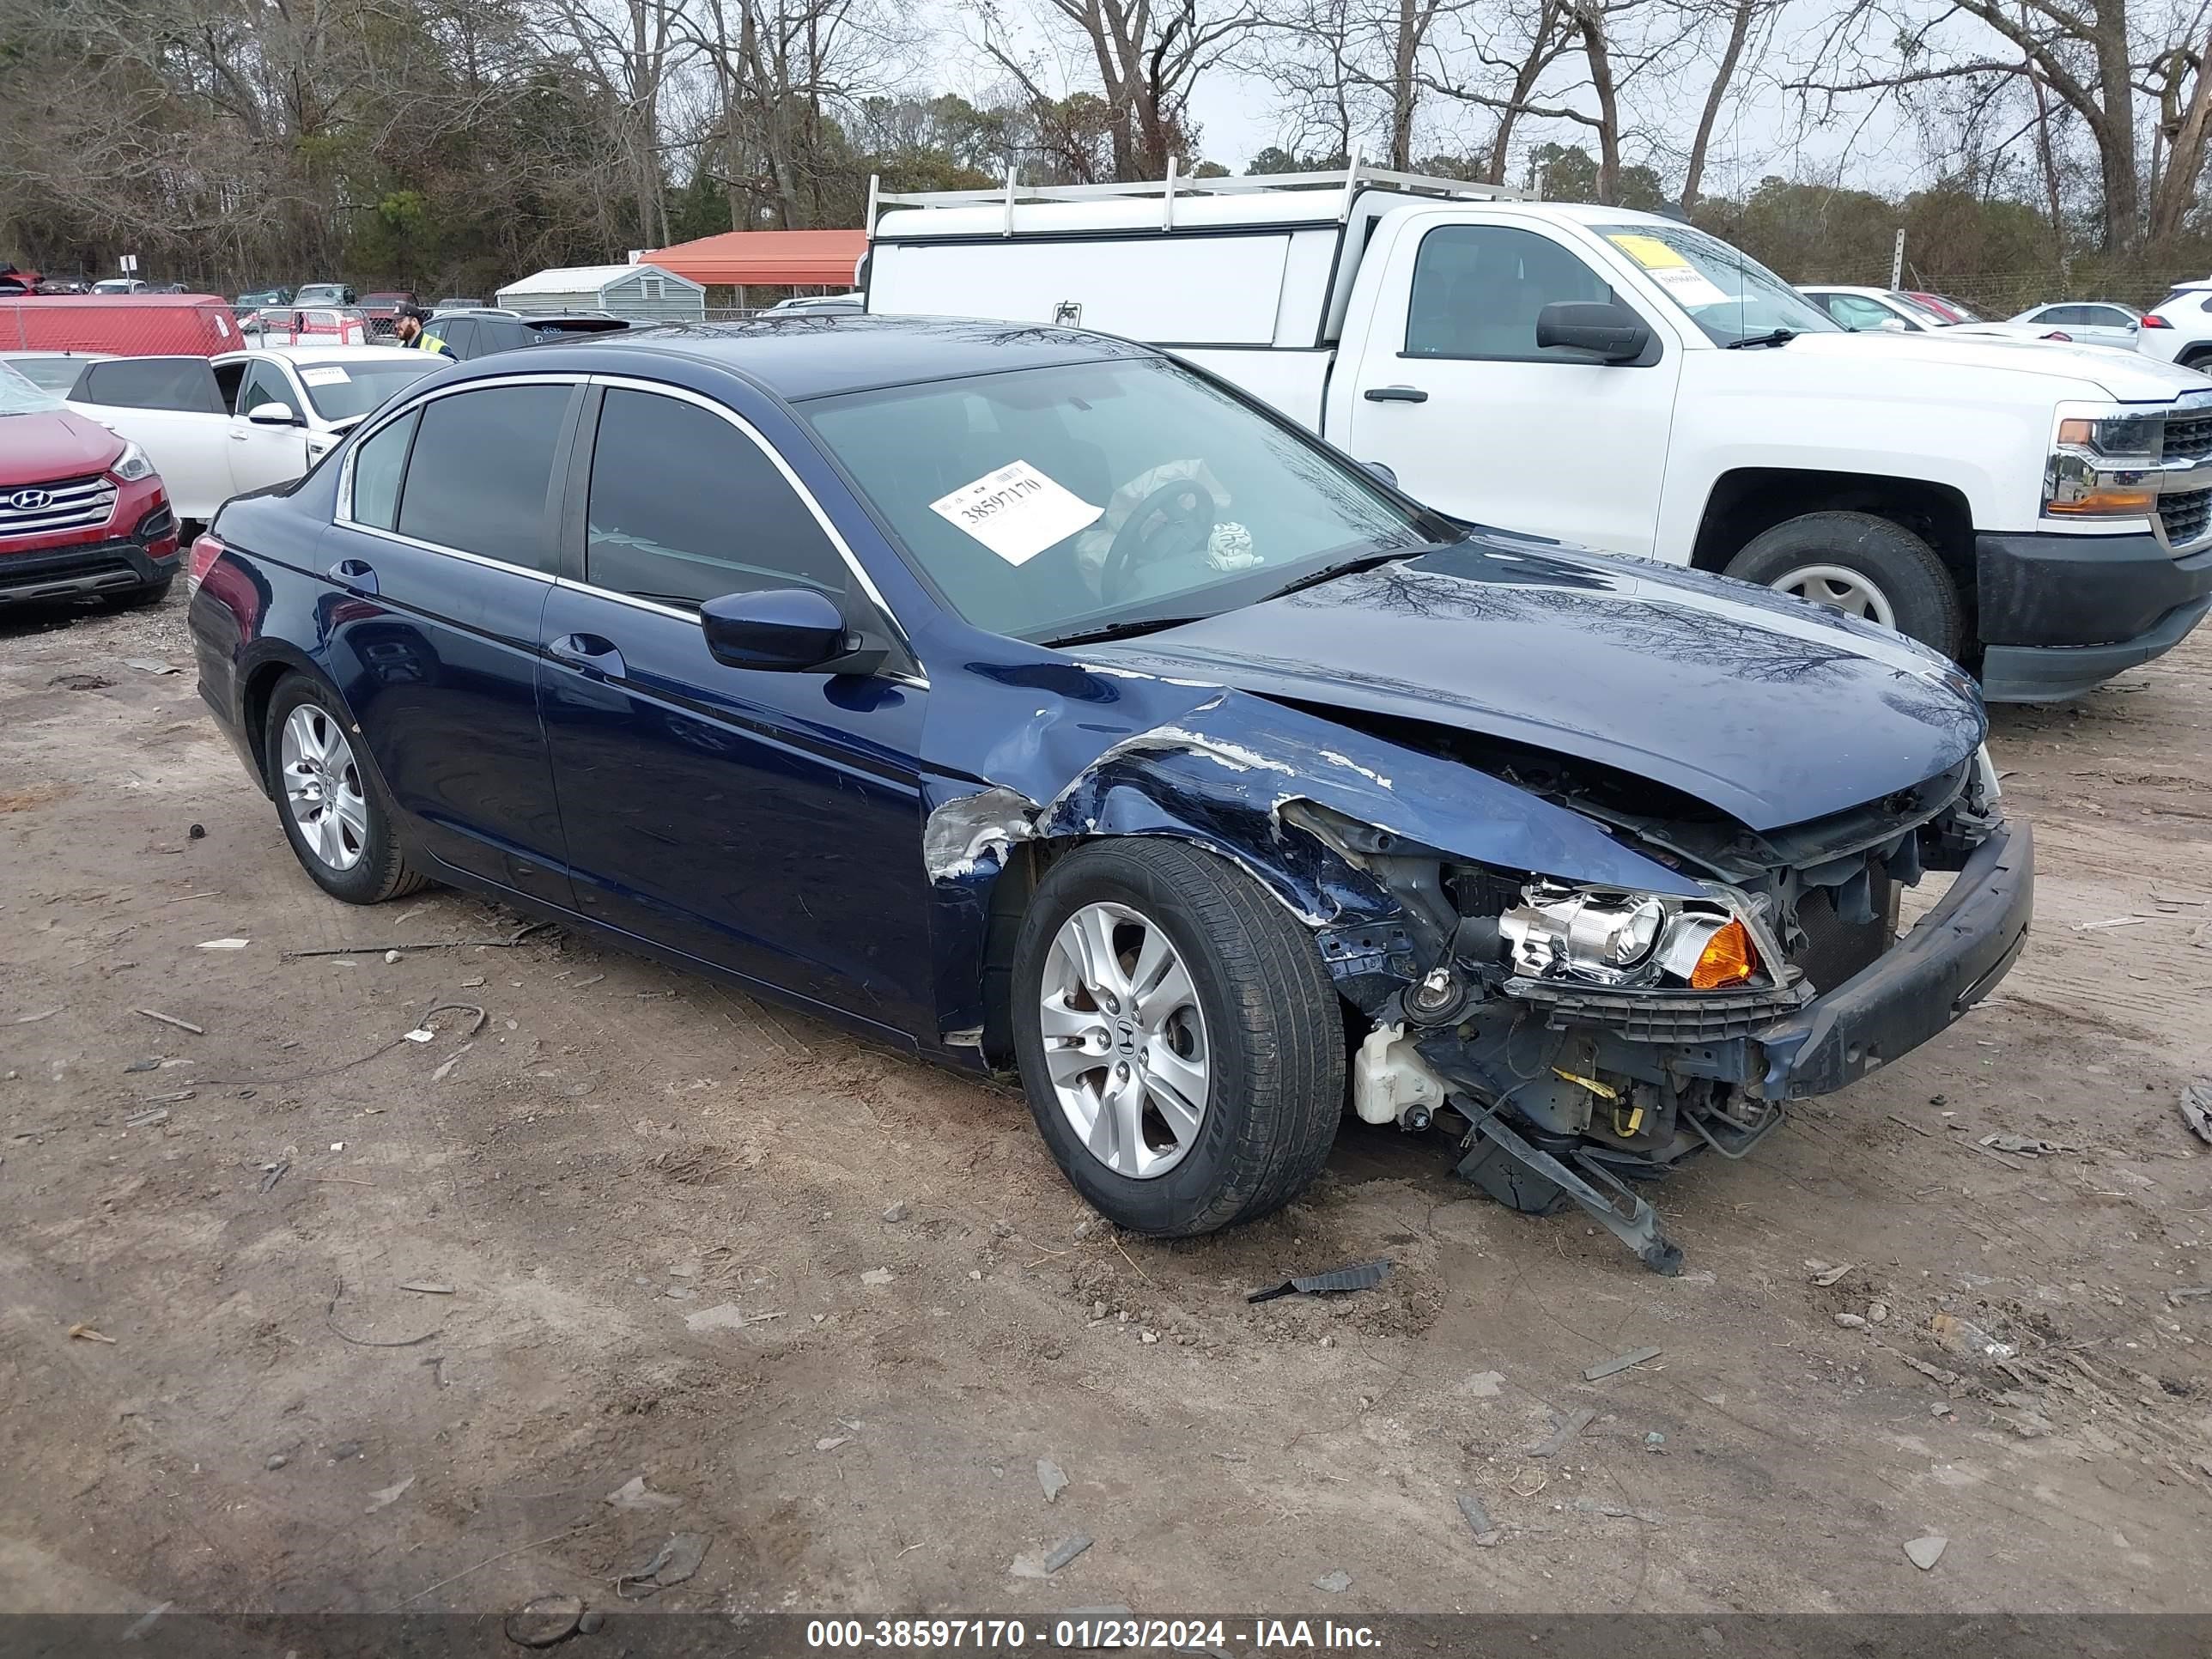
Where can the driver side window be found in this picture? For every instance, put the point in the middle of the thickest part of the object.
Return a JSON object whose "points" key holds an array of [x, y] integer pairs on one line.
{"points": [[1478, 288], [264, 384], [685, 507]]}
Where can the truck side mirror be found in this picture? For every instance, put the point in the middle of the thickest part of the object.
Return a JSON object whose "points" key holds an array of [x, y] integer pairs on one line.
{"points": [[1610, 332]]}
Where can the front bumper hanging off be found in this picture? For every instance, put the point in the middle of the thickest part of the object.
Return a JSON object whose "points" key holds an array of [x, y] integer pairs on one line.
{"points": [[1948, 961]]}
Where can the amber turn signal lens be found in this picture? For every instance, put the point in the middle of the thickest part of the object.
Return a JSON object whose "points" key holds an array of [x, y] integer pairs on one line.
{"points": [[1727, 959]]}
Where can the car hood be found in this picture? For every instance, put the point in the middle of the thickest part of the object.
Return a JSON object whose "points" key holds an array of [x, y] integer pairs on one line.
{"points": [[2124, 376], [52, 444], [1763, 706]]}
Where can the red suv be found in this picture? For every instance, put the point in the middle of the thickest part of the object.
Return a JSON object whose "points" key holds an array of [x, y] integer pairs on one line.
{"points": [[81, 511]]}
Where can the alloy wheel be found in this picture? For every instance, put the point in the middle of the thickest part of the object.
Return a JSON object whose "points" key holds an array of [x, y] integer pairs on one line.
{"points": [[1125, 1040], [322, 787]]}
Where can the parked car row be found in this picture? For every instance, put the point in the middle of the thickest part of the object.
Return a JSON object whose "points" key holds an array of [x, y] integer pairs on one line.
{"points": [[1893, 311]]}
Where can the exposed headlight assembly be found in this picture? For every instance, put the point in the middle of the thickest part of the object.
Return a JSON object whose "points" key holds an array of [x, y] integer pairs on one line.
{"points": [[1608, 937]]}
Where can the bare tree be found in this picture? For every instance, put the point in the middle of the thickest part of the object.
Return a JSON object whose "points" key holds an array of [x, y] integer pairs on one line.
{"points": [[1739, 16], [2086, 55], [1147, 57]]}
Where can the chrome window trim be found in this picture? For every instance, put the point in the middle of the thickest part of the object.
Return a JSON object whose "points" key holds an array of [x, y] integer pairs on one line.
{"points": [[344, 514], [684, 394], [462, 554]]}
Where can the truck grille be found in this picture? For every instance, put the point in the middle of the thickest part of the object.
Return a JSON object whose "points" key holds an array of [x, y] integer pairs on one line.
{"points": [[71, 504], [2188, 437], [2186, 517]]}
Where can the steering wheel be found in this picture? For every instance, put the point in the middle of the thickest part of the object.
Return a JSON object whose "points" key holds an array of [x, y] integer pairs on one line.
{"points": [[1175, 519]]}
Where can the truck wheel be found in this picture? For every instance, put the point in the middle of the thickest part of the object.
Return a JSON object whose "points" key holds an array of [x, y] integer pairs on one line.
{"points": [[1179, 1043], [333, 804], [1862, 566]]}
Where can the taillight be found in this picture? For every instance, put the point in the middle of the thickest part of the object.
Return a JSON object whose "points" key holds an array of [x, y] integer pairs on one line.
{"points": [[2154, 320], [205, 552]]}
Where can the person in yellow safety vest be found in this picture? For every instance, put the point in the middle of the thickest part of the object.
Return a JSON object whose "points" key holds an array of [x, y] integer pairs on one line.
{"points": [[407, 328]]}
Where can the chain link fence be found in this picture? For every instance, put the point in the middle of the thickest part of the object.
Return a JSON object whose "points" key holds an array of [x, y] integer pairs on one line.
{"points": [[131, 327]]}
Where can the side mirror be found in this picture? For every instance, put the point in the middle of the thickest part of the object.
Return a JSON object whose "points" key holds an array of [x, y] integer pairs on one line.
{"points": [[1381, 471], [272, 415], [1895, 326], [790, 630], [1612, 332]]}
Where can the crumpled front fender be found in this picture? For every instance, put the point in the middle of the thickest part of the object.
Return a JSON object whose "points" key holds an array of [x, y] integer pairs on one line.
{"points": [[1216, 767]]}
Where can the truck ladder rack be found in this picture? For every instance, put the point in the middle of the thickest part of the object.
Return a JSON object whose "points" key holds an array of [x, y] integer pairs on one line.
{"points": [[1348, 181]]}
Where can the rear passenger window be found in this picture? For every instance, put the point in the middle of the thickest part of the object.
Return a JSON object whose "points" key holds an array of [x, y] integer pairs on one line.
{"points": [[376, 469], [459, 335], [477, 478], [685, 507], [186, 384]]}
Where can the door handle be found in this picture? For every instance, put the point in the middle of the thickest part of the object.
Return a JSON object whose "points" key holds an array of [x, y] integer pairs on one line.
{"points": [[1395, 394], [590, 652], [354, 574], [237, 434]]}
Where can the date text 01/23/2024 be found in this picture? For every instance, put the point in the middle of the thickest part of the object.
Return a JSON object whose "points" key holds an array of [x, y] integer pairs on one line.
{"points": [[1088, 1631]]}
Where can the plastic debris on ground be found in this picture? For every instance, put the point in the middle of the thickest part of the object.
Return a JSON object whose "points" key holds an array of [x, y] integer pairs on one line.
{"points": [[1359, 1276]]}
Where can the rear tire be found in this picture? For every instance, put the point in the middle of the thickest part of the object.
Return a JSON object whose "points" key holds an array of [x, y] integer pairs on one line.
{"points": [[1260, 1017], [333, 806], [1876, 569], [2196, 357]]}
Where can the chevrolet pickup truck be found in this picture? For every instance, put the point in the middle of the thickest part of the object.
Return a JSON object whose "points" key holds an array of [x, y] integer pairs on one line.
{"points": [[2041, 512]]}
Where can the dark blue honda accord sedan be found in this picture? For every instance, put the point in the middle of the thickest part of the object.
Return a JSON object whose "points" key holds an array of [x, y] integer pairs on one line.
{"points": [[1036, 702]]}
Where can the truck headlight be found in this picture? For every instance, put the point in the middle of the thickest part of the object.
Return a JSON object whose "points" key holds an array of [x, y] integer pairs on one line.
{"points": [[1608, 937], [2101, 466]]}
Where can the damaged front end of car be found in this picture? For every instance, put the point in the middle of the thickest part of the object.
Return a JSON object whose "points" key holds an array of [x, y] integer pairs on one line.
{"points": [[1582, 974], [1583, 1036]]}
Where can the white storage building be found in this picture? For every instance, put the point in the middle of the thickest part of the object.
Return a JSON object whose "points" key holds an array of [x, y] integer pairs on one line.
{"points": [[644, 293]]}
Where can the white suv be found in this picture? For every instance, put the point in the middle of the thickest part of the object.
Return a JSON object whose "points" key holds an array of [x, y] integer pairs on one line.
{"points": [[2178, 328]]}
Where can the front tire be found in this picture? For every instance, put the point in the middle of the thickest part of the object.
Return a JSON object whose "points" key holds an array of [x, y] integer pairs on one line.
{"points": [[1180, 1044], [1861, 565], [328, 799]]}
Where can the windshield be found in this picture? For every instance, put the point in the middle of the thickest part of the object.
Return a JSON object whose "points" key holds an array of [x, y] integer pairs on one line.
{"points": [[54, 374], [342, 391], [19, 396], [1723, 291], [1044, 502], [1922, 313]]}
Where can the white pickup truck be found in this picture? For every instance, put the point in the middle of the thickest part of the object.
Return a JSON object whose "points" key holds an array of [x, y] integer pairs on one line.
{"points": [[2041, 511]]}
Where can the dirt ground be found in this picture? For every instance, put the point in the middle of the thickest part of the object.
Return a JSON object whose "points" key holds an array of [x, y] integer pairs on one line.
{"points": [[834, 1306]]}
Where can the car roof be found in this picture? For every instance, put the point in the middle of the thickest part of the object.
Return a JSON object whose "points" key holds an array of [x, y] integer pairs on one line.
{"points": [[798, 354]]}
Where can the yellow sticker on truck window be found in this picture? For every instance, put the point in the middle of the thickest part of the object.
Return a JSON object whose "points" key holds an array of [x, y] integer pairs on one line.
{"points": [[1647, 251], [1687, 285]]}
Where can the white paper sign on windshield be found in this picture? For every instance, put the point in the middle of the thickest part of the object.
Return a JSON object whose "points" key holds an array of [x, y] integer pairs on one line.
{"points": [[332, 375], [1017, 512]]}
